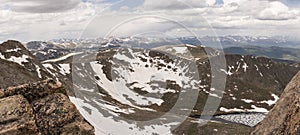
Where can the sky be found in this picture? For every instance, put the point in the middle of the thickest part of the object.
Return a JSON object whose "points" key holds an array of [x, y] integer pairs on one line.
{"points": [[27, 20]]}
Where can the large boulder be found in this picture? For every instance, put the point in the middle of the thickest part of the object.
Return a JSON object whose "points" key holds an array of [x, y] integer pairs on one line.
{"points": [[284, 118], [16, 116], [57, 115], [34, 91], [40, 108]]}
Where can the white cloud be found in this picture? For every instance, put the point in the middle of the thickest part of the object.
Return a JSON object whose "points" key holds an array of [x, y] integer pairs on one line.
{"points": [[41, 6], [252, 17], [175, 4], [277, 11], [34, 26]]}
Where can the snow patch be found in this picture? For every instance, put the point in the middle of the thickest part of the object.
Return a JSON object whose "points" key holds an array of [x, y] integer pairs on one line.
{"points": [[229, 70], [62, 58], [271, 102], [13, 50], [223, 109], [38, 70], [109, 125], [49, 66], [64, 69], [258, 71], [247, 100], [245, 66], [19, 60], [181, 50], [258, 109]]}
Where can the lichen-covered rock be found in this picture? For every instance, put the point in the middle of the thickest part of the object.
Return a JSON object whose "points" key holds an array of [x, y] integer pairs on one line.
{"points": [[57, 115], [16, 116], [40, 108], [34, 91], [284, 118]]}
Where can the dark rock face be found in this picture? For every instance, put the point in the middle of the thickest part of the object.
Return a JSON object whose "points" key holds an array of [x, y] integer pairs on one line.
{"points": [[40, 108], [284, 118]]}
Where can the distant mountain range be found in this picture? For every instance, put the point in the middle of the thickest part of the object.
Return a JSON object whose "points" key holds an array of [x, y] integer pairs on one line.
{"points": [[281, 48], [280, 53], [210, 41], [262, 41]]}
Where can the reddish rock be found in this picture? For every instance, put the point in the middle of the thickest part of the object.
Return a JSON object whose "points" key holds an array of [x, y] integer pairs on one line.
{"points": [[284, 118], [55, 114], [16, 116], [40, 108]]}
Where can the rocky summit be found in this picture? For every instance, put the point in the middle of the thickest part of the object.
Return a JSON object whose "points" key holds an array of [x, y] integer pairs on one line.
{"points": [[40, 108]]}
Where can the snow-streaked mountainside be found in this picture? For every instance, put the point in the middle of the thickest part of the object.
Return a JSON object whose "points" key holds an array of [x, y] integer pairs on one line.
{"points": [[155, 91], [138, 84], [48, 50], [19, 66]]}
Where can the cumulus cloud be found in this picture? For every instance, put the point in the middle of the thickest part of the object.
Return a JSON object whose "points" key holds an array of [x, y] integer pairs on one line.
{"points": [[233, 17], [42, 26], [176, 4], [41, 6], [277, 11]]}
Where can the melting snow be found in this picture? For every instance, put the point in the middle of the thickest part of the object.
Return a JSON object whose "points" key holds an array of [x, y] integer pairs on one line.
{"points": [[271, 102], [255, 109], [2, 56], [19, 60], [181, 50], [38, 71], [108, 125], [245, 66], [258, 71], [258, 109], [49, 66], [62, 58], [231, 110], [247, 100], [13, 50], [64, 69], [119, 90], [229, 70], [214, 95], [138, 70]]}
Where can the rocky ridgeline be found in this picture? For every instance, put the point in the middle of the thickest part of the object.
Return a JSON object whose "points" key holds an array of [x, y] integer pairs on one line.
{"points": [[40, 108], [19, 66], [284, 118]]}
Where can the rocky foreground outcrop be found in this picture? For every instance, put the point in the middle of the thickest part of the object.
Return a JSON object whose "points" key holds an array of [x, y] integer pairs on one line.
{"points": [[40, 108], [284, 118]]}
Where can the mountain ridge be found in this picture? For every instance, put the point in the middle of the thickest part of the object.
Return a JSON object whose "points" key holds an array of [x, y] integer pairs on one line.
{"points": [[119, 84]]}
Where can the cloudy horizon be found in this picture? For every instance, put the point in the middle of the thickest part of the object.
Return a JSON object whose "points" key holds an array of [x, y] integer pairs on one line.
{"points": [[44, 20]]}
